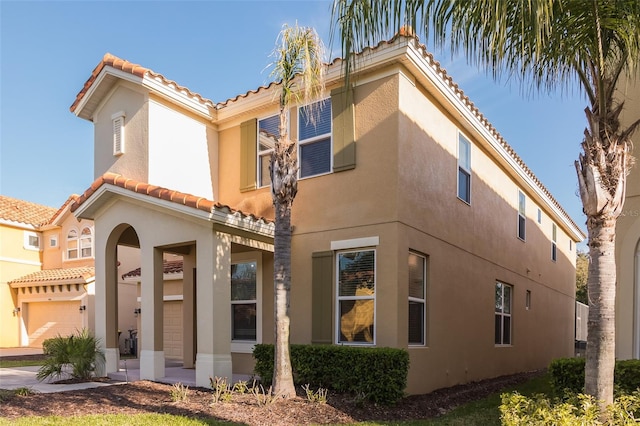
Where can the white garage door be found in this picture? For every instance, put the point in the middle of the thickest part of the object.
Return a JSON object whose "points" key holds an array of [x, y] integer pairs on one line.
{"points": [[49, 319], [173, 329]]}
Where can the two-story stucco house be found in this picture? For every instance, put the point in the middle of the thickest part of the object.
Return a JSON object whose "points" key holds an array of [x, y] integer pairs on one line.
{"points": [[47, 274], [416, 225], [628, 239]]}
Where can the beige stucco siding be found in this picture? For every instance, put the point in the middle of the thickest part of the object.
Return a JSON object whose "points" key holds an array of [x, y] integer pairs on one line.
{"points": [[182, 150], [133, 164], [627, 238], [15, 261]]}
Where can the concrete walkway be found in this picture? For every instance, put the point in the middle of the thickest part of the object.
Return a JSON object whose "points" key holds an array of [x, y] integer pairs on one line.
{"points": [[129, 371]]}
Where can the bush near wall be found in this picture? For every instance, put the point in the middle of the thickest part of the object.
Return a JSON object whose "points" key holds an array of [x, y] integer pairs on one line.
{"points": [[378, 374], [567, 375]]}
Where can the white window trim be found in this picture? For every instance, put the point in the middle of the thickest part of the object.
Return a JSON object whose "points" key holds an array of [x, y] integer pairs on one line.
{"points": [[255, 256], [554, 242], [339, 298], [314, 139], [522, 215], [503, 314], [355, 243], [423, 301], [115, 118], [460, 166], [27, 245]]}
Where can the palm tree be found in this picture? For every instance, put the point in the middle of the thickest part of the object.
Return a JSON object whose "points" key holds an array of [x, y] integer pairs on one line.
{"points": [[298, 66], [548, 43]]}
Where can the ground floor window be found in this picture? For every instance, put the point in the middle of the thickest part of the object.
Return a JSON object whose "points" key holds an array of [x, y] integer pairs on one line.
{"points": [[417, 299], [246, 301], [503, 314], [356, 296]]}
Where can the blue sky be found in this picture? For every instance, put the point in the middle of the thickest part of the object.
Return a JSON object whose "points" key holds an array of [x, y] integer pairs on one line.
{"points": [[218, 49]]}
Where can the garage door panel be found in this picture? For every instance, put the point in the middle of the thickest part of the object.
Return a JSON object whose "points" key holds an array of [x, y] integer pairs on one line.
{"points": [[50, 319], [172, 334]]}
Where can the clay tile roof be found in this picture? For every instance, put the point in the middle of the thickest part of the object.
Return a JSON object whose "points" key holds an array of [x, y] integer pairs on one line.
{"points": [[15, 210], [169, 266], [63, 274], [134, 69], [71, 198], [199, 203]]}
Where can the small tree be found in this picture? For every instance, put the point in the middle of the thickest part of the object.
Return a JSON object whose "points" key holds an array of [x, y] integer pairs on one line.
{"points": [[79, 352], [299, 67], [582, 272]]}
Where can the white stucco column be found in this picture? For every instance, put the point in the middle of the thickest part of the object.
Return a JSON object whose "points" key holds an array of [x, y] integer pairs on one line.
{"points": [[106, 301], [188, 309], [152, 324], [213, 304], [636, 308]]}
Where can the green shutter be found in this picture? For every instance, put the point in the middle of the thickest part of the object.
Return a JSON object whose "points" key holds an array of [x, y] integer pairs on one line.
{"points": [[344, 145], [248, 155], [322, 292]]}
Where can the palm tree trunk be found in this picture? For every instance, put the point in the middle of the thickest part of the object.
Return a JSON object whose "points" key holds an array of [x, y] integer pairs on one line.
{"points": [[600, 354], [283, 377]]}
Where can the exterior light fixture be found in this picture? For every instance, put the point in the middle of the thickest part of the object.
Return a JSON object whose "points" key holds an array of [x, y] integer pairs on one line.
{"points": [[137, 311], [83, 308], [16, 311]]}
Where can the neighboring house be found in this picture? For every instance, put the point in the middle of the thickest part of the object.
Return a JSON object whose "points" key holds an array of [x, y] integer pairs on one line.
{"points": [[52, 295], [628, 240], [416, 225], [21, 252]]}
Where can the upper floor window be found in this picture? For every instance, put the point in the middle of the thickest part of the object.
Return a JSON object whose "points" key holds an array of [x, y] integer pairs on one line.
{"points": [[268, 134], [53, 241], [118, 133], [72, 244], [80, 246], [31, 240], [522, 218], [539, 216], [464, 169], [314, 136], [356, 296], [86, 242], [554, 246], [503, 314], [417, 299]]}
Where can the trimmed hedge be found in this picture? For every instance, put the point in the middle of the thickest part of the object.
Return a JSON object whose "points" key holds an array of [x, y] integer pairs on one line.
{"points": [[378, 374], [567, 375]]}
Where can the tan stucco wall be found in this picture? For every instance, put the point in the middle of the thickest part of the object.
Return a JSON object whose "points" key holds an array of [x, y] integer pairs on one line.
{"points": [[134, 163], [403, 190], [627, 238], [15, 261]]}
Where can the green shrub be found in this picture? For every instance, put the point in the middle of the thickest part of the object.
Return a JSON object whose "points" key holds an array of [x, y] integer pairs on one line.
{"points": [[78, 353], [579, 409], [378, 373], [627, 375], [567, 376]]}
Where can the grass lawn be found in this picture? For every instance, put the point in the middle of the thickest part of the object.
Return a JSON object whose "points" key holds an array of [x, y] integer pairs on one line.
{"points": [[23, 363], [483, 412]]}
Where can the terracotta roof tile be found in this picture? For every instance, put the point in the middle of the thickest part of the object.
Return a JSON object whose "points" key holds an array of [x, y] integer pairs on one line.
{"points": [[154, 191], [134, 69], [15, 210], [169, 267], [71, 198], [63, 274]]}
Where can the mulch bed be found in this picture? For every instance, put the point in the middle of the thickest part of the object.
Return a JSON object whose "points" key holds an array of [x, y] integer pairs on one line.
{"points": [[150, 397]]}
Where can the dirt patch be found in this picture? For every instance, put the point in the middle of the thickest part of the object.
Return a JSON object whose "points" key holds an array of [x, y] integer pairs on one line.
{"points": [[150, 397]]}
